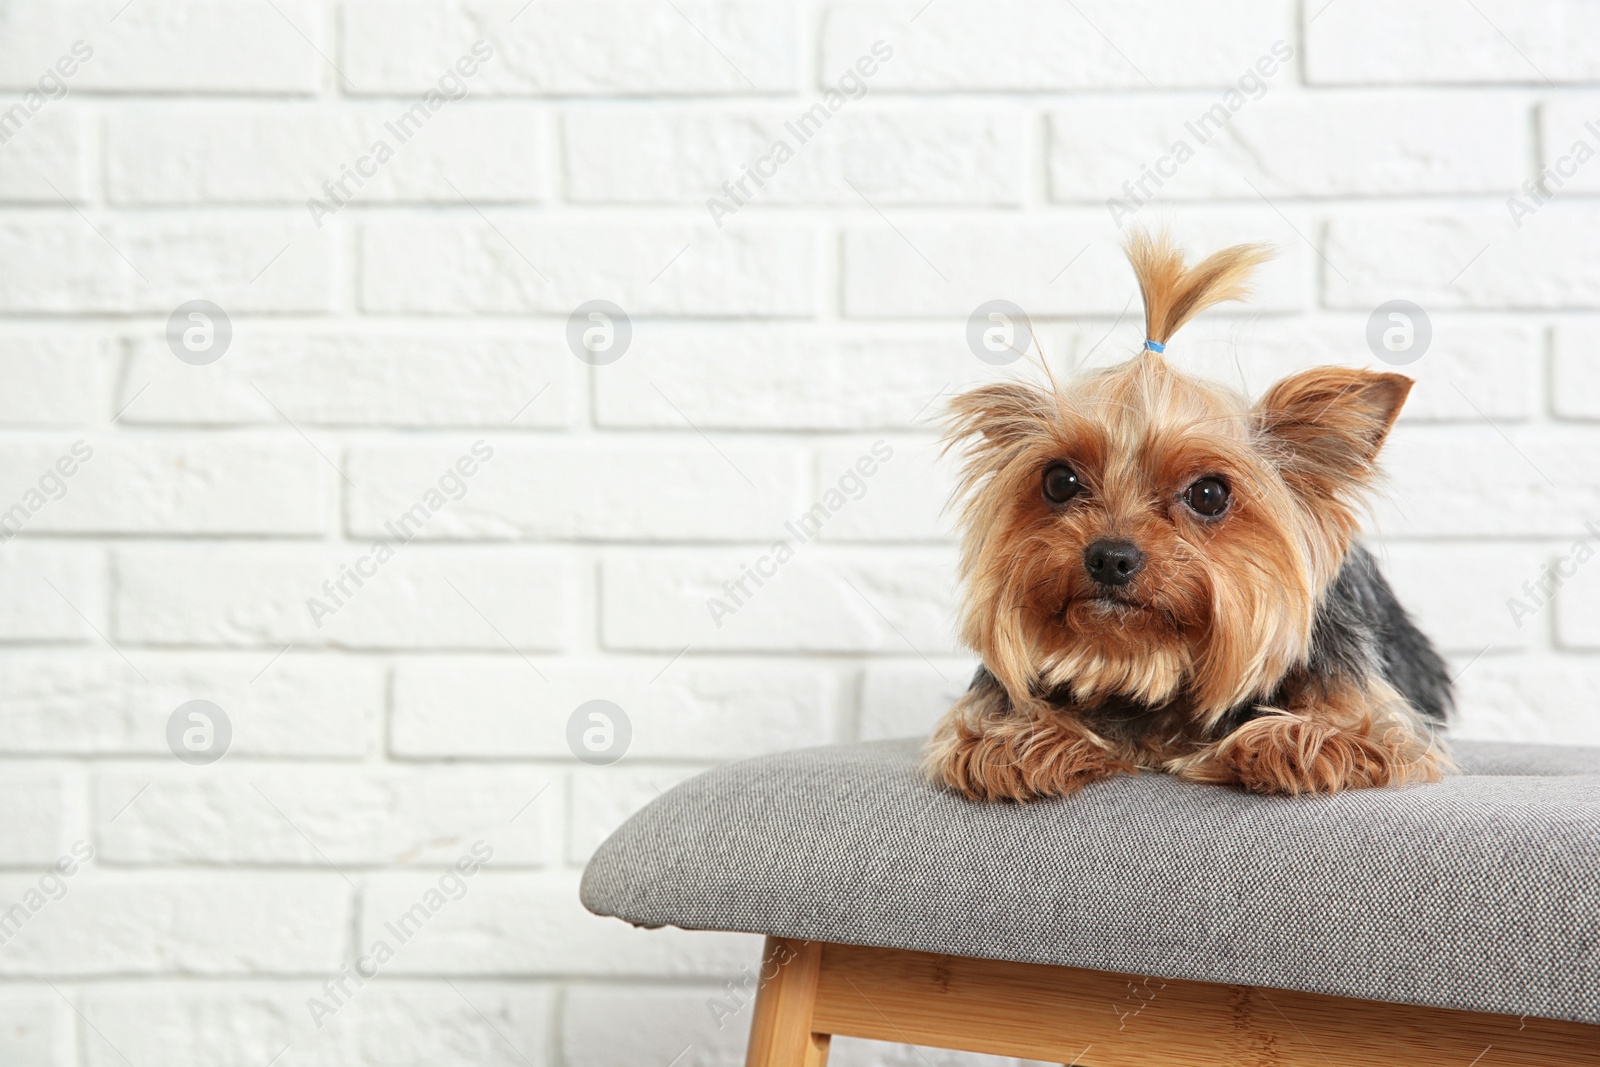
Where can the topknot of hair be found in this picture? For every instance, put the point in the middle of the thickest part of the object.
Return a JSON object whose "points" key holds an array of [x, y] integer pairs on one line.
{"points": [[1175, 292]]}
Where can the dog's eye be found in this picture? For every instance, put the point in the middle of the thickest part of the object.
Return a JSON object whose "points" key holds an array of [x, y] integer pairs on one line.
{"points": [[1061, 483], [1208, 496]]}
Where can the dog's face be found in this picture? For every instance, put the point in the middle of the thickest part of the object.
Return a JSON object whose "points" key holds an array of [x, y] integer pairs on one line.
{"points": [[1140, 533]]}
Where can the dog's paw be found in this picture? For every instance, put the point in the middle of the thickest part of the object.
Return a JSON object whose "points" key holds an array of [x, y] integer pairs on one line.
{"points": [[1018, 761], [1292, 754]]}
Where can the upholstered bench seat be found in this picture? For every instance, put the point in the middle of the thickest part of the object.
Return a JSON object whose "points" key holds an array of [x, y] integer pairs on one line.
{"points": [[1480, 893]]}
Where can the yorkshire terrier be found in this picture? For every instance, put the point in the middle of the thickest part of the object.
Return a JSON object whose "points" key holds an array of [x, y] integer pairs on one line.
{"points": [[1161, 575]]}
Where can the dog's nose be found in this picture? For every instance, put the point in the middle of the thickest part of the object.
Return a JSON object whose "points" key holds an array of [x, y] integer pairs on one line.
{"points": [[1113, 562]]}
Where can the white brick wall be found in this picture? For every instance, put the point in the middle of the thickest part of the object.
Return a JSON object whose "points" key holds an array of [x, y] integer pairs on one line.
{"points": [[377, 341]]}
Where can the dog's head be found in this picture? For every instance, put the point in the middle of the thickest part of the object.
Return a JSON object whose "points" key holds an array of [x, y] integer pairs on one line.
{"points": [[1144, 534]]}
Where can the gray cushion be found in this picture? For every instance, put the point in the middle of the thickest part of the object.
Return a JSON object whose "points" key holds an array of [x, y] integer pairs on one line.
{"points": [[1481, 892]]}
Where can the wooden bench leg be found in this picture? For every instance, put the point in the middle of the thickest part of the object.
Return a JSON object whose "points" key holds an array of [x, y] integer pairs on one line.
{"points": [[781, 1033]]}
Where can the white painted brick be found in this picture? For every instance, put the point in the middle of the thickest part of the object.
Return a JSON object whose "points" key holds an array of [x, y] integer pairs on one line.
{"points": [[47, 155], [821, 600], [248, 596], [906, 698], [314, 816], [1575, 389], [43, 814], [197, 154], [603, 798], [533, 924], [902, 500], [36, 1029], [31, 610], [460, 265], [95, 704], [269, 485], [1436, 42], [678, 490], [1542, 699], [229, 923], [1577, 602], [703, 1018], [246, 1024], [900, 155], [170, 46], [56, 262], [496, 707], [55, 379], [1474, 258], [947, 269], [1286, 146], [1470, 480], [575, 47], [1569, 135], [356, 379], [1457, 594], [1017, 45]]}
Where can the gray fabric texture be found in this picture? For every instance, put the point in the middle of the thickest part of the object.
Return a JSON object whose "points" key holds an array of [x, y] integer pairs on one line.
{"points": [[1481, 892]]}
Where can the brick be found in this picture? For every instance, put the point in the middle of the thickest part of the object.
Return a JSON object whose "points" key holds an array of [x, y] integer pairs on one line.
{"points": [[406, 1024], [94, 704], [478, 706], [357, 379], [252, 153], [1457, 593], [705, 1018], [171, 46], [229, 923], [48, 156], [1575, 389], [447, 265], [904, 500], [1195, 147], [1535, 698], [268, 485], [55, 262], [820, 600], [906, 699], [1471, 259], [603, 798], [890, 156], [314, 816], [946, 270], [1012, 44], [1577, 622], [248, 596], [1568, 142], [574, 48], [1504, 41], [533, 925], [44, 814], [55, 379], [1472, 481], [36, 1029], [30, 610], [686, 489]]}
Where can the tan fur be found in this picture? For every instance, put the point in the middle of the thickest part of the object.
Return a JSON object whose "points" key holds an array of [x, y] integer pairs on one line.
{"points": [[1223, 610]]}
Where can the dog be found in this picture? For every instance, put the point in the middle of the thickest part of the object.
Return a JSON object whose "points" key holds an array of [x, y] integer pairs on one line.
{"points": [[1160, 575]]}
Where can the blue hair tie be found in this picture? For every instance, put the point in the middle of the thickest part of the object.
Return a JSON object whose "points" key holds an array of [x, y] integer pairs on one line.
{"points": [[1154, 346]]}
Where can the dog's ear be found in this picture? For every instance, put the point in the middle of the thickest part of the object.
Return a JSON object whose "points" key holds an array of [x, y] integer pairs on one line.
{"points": [[996, 418], [1325, 426]]}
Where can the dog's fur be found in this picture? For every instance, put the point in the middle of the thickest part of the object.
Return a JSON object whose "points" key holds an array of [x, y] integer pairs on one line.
{"points": [[1259, 647]]}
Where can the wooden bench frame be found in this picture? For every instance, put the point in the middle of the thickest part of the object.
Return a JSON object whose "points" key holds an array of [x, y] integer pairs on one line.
{"points": [[811, 991]]}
